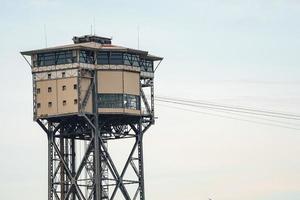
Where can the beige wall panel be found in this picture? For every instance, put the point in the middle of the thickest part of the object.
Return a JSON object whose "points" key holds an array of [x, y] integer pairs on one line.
{"points": [[44, 97], [118, 111], [110, 81], [84, 85], [133, 112], [131, 83], [68, 95], [111, 110]]}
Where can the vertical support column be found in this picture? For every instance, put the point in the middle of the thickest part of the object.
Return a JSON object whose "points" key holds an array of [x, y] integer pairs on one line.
{"points": [[97, 165], [50, 161], [79, 90], [152, 101], [73, 162], [34, 96], [141, 160], [104, 174], [62, 170], [96, 134]]}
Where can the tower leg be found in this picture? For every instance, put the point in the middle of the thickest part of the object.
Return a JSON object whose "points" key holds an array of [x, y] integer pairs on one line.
{"points": [[62, 170], [141, 162], [50, 163], [97, 165], [73, 162]]}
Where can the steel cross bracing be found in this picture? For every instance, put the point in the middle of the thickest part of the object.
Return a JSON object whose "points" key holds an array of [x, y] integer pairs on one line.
{"points": [[66, 175]]}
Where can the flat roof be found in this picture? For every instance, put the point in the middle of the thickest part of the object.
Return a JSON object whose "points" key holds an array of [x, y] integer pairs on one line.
{"points": [[92, 46]]}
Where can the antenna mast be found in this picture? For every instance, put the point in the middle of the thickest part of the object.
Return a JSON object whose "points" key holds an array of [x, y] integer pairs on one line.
{"points": [[45, 35], [138, 36]]}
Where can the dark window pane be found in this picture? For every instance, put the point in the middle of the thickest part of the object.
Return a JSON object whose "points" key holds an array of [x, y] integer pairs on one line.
{"points": [[86, 57], [135, 60], [116, 58], [55, 58], [110, 100], [103, 58], [127, 59], [119, 101], [131, 101]]}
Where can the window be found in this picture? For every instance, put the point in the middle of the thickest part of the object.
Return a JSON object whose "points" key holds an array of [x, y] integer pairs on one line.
{"points": [[119, 101], [49, 104], [103, 58], [45, 59], [135, 60], [38, 105], [63, 57], [49, 89], [64, 102], [131, 59], [127, 59], [86, 57], [49, 76], [146, 65], [116, 58], [64, 87], [55, 58], [110, 100], [38, 90], [75, 86], [63, 74], [132, 101], [75, 101]]}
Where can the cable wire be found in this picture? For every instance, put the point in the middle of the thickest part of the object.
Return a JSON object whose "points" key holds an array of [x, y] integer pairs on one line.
{"points": [[230, 107], [229, 117], [200, 105]]}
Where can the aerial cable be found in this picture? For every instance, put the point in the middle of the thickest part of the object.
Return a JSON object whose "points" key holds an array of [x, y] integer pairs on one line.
{"points": [[229, 117], [255, 117], [230, 107], [227, 109]]}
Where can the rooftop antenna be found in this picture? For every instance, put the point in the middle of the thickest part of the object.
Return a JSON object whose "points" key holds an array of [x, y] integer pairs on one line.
{"points": [[138, 36], [94, 25], [91, 29], [45, 35]]}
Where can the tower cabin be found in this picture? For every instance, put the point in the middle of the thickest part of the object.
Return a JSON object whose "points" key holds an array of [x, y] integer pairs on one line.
{"points": [[90, 74]]}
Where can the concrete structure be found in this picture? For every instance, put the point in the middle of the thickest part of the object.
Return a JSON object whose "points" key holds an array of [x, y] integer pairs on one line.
{"points": [[91, 92]]}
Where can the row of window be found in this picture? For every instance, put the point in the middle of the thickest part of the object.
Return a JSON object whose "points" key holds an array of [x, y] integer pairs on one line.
{"points": [[119, 101], [64, 87], [117, 58], [64, 103], [55, 58], [85, 56], [110, 101]]}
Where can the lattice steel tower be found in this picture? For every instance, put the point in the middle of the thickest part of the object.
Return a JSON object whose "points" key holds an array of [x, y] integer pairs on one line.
{"points": [[86, 95]]}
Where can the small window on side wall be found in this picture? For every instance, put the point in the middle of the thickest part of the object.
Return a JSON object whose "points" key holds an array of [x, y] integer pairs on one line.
{"points": [[49, 89], [49, 104], [63, 74], [75, 101], [75, 86], [49, 76], [38, 90], [64, 87], [64, 102], [38, 105]]}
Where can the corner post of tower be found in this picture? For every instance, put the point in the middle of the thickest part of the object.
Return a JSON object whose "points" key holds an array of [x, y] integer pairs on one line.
{"points": [[50, 159], [96, 136], [141, 159]]}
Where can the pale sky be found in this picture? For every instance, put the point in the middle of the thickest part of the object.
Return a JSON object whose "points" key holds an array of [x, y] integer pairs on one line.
{"points": [[236, 52]]}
